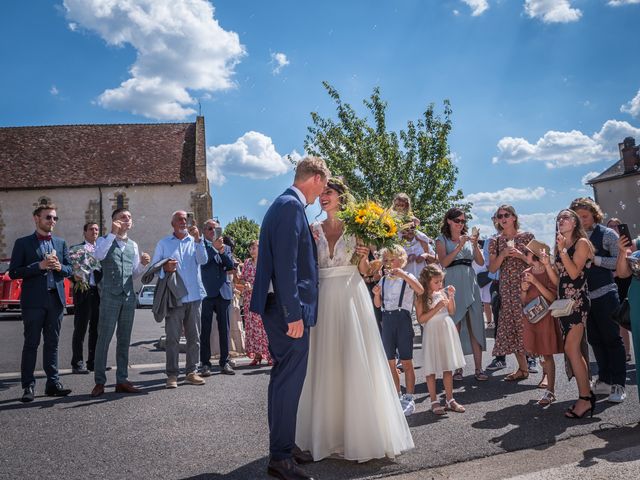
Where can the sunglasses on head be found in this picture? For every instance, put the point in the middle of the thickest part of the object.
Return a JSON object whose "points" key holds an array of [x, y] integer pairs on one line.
{"points": [[458, 220], [51, 217], [500, 216]]}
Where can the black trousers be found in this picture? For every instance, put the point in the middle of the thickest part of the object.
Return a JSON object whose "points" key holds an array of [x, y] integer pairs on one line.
{"points": [[604, 337], [87, 313], [220, 307]]}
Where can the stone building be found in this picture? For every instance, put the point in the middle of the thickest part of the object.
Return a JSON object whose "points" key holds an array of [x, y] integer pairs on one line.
{"points": [[89, 170], [617, 189]]}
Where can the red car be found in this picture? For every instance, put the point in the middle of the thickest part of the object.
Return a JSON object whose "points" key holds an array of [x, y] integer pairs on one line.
{"points": [[10, 290]]}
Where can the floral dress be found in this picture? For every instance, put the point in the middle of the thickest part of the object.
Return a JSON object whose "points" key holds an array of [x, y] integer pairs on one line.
{"points": [[256, 341], [509, 335]]}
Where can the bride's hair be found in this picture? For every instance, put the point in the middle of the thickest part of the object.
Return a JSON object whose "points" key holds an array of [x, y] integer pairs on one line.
{"points": [[337, 184], [429, 272]]}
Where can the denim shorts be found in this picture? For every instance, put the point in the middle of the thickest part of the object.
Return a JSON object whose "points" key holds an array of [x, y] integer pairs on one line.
{"points": [[397, 334]]}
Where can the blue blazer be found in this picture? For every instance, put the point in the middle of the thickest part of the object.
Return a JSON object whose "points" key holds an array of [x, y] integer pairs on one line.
{"points": [[214, 272], [25, 258], [287, 258]]}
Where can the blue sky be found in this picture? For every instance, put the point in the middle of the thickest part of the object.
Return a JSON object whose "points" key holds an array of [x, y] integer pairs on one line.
{"points": [[541, 90]]}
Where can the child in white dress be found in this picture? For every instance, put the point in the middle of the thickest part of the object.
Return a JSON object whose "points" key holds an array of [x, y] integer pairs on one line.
{"points": [[440, 339]]}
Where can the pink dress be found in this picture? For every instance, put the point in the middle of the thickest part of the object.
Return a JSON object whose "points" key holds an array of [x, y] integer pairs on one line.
{"points": [[256, 341]]}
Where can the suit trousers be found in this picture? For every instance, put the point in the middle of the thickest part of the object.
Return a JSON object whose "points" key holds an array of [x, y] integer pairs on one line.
{"points": [[43, 322], [220, 307], [87, 312], [115, 311], [289, 369], [186, 317], [604, 337]]}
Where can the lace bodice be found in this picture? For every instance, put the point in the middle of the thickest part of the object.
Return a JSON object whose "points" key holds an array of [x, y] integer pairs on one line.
{"points": [[342, 252], [435, 298]]}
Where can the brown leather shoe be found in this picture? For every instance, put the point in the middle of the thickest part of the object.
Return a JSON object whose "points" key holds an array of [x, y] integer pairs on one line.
{"points": [[127, 387], [97, 390], [287, 469], [301, 456]]}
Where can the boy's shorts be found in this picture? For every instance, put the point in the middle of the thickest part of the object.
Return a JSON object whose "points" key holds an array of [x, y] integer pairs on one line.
{"points": [[397, 334]]}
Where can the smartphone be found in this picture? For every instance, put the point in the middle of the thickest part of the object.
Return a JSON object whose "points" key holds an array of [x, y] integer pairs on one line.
{"points": [[190, 221], [218, 232], [623, 229]]}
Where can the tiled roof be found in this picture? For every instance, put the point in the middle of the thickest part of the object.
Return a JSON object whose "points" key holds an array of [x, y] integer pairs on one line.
{"points": [[91, 155], [615, 170]]}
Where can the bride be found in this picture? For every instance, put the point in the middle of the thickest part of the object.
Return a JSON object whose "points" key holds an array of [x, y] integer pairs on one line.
{"points": [[349, 406]]}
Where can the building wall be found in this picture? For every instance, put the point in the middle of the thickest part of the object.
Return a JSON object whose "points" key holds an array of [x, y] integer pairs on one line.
{"points": [[620, 197], [151, 208]]}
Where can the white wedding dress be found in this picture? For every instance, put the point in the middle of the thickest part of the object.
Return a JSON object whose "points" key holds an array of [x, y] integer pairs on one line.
{"points": [[349, 406]]}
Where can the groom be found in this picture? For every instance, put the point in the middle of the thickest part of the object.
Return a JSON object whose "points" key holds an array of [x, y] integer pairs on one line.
{"points": [[285, 294]]}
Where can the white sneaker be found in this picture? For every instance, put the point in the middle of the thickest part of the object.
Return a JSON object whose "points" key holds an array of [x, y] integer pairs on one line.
{"points": [[409, 406], [618, 394], [600, 388]]}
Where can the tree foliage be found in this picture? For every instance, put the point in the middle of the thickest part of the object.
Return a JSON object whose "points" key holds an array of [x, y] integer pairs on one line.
{"points": [[377, 163], [243, 231]]}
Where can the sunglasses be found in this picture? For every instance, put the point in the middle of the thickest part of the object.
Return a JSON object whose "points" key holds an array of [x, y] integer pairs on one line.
{"points": [[458, 220], [500, 216], [51, 217], [210, 228]]}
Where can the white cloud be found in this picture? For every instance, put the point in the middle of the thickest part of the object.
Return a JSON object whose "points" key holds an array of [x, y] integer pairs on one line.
{"points": [[478, 7], [588, 176], [618, 3], [252, 155], [279, 61], [489, 201], [53, 90], [263, 202], [552, 11], [561, 149], [72, 26], [632, 107], [180, 48], [456, 12]]}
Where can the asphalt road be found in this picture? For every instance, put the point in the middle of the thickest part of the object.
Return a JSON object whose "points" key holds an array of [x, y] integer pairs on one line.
{"points": [[218, 431]]}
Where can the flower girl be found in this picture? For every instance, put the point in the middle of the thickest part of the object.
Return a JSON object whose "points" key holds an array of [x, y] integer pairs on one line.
{"points": [[440, 339]]}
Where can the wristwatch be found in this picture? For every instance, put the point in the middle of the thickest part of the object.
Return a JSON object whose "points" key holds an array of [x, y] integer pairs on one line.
{"points": [[564, 250]]}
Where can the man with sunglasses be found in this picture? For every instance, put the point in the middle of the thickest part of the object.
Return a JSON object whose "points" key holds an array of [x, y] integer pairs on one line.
{"points": [[42, 262]]}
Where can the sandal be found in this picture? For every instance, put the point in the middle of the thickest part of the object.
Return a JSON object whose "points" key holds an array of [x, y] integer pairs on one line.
{"points": [[457, 375], [437, 409], [548, 397], [544, 384], [454, 406], [517, 376], [481, 376]]}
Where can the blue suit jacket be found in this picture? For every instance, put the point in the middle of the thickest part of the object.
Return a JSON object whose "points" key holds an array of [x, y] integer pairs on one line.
{"points": [[214, 272], [25, 258], [287, 258]]}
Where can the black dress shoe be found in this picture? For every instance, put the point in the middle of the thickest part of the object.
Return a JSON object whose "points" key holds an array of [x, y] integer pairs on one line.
{"points": [[56, 390], [80, 369], [227, 370], [301, 456], [28, 395], [287, 469]]}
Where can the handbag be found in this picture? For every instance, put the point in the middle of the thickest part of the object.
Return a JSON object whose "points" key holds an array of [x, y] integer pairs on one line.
{"points": [[484, 279], [536, 309], [622, 315], [562, 308]]}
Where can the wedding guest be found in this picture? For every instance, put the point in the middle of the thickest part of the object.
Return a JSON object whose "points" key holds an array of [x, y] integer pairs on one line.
{"points": [[499, 361], [624, 269], [440, 339], [507, 253], [121, 263], [623, 291], [257, 342], [236, 330], [456, 251], [86, 306], [603, 333], [41, 261], [418, 251], [401, 205], [396, 302], [484, 283], [185, 251], [543, 337], [572, 254]]}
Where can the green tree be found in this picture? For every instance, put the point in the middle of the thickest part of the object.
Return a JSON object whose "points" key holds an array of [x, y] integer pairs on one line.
{"points": [[243, 231], [377, 163]]}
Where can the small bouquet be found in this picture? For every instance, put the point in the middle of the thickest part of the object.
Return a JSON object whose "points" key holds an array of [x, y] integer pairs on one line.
{"points": [[83, 263], [370, 223]]}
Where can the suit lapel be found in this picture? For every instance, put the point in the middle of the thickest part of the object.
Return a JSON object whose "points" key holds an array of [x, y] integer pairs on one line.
{"points": [[36, 246]]}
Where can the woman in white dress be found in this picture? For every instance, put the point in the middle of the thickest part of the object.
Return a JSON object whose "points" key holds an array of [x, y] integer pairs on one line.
{"points": [[349, 406]]}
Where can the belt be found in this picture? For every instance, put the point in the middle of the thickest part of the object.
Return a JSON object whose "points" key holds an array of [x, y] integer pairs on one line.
{"points": [[463, 261]]}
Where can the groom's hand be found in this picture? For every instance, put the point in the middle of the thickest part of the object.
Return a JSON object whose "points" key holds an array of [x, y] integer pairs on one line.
{"points": [[296, 329]]}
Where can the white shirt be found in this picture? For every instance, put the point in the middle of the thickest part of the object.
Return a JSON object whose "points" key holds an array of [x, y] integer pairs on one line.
{"points": [[414, 247], [103, 244], [392, 289]]}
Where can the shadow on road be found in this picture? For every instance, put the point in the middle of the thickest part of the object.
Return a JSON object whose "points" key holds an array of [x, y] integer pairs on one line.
{"points": [[618, 438]]}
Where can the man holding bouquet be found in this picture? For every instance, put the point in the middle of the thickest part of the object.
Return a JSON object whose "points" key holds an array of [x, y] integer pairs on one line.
{"points": [[86, 301]]}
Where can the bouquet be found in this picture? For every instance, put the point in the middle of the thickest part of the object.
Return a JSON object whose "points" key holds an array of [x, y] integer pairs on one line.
{"points": [[83, 263], [370, 223]]}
